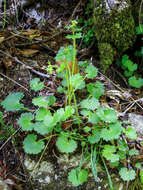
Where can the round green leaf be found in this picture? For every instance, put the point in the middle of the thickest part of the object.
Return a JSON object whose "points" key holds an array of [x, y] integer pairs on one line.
{"points": [[127, 175], [90, 104], [86, 112], [42, 101], [138, 165], [11, 102], [49, 121], [66, 145], [91, 71], [25, 121], [93, 118], [59, 115], [31, 146], [87, 129], [60, 89], [134, 82], [107, 114], [95, 137], [69, 111], [77, 81], [41, 113], [109, 153], [133, 152], [43, 129], [51, 100], [131, 133], [36, 85], [77, 177], [113, 131], [95, 89]]}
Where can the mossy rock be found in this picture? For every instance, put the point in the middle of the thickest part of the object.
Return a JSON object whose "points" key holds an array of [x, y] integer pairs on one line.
{"points": [[114, 30]]}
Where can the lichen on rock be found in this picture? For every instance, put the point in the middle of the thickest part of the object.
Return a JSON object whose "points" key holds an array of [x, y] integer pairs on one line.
{"points": [[114, 29]]}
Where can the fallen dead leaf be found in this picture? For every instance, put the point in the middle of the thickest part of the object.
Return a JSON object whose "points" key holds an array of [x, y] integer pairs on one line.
{"points": [[28, 52]]}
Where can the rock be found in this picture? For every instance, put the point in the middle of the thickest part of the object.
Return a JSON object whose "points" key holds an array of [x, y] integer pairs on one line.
{"points": [[43, 173], [54, 176], [136, 122], [114, 29], [116, 4], [65, 161]]}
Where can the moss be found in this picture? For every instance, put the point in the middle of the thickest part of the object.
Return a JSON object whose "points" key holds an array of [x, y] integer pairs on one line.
{"points": [[116, 28], [107, 54]]}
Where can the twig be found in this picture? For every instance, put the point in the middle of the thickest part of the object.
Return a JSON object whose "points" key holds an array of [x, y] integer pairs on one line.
{"points": [[133, 103], [112, 82], [22, 63], [128, 108], [133, 100]]}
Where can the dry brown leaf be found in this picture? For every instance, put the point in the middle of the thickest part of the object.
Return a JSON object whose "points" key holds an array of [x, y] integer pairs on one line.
{"points": [[28, 52], [66, 124], [29, 32]]}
